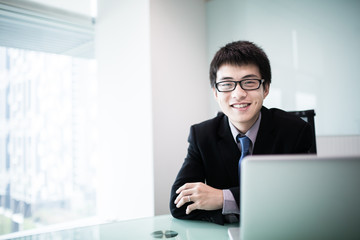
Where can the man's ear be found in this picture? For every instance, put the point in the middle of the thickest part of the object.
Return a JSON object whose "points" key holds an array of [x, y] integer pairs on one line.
{"points": [[215, 93], [266, 89]]}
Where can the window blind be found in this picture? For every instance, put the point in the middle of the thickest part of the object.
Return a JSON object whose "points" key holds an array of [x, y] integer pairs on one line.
{"points": [[33, 26]]}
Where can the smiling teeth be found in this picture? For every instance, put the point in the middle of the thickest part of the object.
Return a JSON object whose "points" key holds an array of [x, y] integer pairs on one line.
{"points": [[241, 105]]}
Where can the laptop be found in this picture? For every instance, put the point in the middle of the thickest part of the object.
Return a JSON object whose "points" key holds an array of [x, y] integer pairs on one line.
{"points": [[299, 197]]}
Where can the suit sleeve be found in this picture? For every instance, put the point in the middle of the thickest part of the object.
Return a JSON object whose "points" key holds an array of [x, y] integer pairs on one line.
{"points": [[236, 193], [192, 170]]}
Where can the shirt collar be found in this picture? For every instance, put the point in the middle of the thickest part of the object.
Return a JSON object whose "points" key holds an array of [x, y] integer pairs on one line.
{"points": [[251, 133]]}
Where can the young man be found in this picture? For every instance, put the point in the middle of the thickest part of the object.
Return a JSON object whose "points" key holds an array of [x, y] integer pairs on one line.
{"points": [[207, 185]]}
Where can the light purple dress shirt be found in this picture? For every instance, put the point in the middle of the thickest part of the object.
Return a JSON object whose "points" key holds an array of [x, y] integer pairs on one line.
{"points": [[230, 206]]}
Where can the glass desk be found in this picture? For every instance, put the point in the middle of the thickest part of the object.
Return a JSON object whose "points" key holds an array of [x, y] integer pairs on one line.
{"points": [[159, 227]]}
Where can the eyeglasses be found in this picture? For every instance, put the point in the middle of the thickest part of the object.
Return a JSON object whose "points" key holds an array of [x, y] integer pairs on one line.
{"points": [[247, 84]]}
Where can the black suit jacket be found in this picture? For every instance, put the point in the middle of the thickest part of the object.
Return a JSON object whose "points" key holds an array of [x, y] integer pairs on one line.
{"points": [[213, 155]]}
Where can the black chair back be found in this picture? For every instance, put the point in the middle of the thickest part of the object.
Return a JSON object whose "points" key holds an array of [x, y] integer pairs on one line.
{"points": [[308, 116]]}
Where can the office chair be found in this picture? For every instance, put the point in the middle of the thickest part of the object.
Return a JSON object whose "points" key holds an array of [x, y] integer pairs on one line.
{"points": [[308, 116]]}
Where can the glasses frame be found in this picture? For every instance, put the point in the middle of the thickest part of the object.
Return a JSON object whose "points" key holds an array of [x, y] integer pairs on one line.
{"points": [[261, 81]]}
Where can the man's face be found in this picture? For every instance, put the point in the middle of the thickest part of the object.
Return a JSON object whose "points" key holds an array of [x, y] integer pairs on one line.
{"points": [[242, 107]]}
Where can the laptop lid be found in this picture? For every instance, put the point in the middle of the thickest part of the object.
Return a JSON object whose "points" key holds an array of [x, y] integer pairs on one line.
{"points": [[300, 197]]}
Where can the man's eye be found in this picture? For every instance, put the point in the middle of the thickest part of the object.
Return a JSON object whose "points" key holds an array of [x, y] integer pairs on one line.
{"points": [[228, 84], [250, 82]]}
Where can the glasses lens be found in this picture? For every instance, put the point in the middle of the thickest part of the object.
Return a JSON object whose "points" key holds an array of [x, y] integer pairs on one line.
{"points": [[250, 84], [225, 86]]}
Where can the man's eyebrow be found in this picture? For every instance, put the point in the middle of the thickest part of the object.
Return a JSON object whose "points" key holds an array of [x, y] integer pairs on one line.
{"points": [[226, 78], [250, 76], [244, 77]]}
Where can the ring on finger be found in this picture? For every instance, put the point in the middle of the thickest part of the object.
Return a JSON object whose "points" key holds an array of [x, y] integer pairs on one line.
{"points": [[189, 200]]}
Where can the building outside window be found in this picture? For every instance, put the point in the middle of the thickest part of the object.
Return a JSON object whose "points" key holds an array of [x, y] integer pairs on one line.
{"points": [[48, 136]]}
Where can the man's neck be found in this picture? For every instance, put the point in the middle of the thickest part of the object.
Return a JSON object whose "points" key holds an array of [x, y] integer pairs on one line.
{"points": [[243, 128]]}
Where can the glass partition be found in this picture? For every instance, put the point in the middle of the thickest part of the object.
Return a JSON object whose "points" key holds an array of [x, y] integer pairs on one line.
{"points": [[314, 51]]}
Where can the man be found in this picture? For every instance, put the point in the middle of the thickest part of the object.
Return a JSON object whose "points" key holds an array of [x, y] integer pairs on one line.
{"points": [[207, 185]]}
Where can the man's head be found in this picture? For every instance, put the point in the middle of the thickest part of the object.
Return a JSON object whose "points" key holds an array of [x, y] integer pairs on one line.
{"points": [[240, 76], [241, 53]]}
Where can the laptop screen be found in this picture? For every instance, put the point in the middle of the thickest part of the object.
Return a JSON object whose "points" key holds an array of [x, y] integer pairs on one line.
{"points": [[300, 197]]}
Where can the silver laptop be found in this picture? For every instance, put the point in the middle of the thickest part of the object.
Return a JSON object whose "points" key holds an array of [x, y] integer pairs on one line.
{"points": [[299, 197]]}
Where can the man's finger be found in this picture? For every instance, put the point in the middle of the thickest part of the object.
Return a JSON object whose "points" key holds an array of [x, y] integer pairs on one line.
{"points": [[190, 208], [182, 194], [182, 201], [178, 199], [184, 187]]}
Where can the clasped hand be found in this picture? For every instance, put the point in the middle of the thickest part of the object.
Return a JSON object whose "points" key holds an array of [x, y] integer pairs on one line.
{"points": [[201, 195]]}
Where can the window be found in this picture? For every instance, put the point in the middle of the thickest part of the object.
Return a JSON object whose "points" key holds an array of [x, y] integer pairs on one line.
{"points": [[48, 109]]}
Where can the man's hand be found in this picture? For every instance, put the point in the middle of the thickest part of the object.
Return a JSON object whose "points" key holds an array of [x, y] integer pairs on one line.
{"points": [[203, 197]]}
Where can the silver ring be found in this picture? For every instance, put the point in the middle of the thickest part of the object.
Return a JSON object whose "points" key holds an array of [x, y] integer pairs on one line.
{"points": [[189, 199]]}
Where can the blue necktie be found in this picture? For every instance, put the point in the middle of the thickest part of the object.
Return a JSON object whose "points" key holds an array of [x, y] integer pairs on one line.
{"points": [[245, 145]]}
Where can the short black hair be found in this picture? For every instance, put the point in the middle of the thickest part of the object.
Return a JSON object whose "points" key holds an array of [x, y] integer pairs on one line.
{"points": [[241, 53]]}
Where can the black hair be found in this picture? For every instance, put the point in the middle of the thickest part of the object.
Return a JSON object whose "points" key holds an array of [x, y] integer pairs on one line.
{"points": [[238, 54]]}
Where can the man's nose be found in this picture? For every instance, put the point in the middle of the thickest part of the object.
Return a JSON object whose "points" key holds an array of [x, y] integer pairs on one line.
{"points": [[238, 91]]}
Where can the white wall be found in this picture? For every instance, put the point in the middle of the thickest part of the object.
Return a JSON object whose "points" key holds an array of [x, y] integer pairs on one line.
{"points": [[180, 86], [153, 85], [125, 169]]}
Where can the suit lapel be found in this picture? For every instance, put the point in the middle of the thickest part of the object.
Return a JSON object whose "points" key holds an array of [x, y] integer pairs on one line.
{"points": [[228, 150], [264, 138]]}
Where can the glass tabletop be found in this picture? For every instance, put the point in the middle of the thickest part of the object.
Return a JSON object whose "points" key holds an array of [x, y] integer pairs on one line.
{"points": [[159, 227]]}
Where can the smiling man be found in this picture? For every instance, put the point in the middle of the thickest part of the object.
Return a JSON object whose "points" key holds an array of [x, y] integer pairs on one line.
{"points": [[207, 185]]}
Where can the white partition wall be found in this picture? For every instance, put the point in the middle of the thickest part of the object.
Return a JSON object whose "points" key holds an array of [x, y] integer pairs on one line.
{"points": [[153, 85], [180, 86], [125, 131]]}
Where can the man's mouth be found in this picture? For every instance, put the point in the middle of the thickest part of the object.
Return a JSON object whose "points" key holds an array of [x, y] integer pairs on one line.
{"points": [[243, 105]]}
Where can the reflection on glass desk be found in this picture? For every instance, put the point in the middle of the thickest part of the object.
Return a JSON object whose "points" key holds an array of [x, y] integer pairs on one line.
{"points": [[159, 227]]}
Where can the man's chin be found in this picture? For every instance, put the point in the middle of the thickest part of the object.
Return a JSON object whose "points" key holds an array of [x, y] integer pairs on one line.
{"points": [[240, 117], [237, 120]]}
